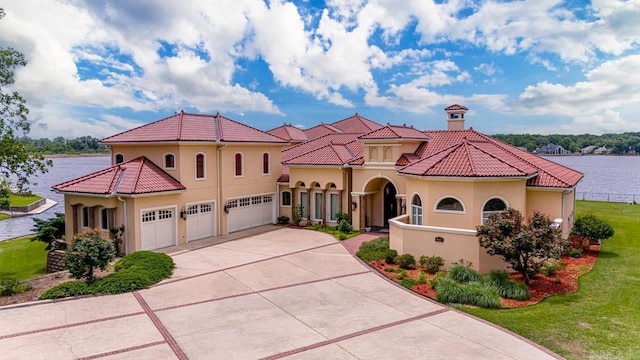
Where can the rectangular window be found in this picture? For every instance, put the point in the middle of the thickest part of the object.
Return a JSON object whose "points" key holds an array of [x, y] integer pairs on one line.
{"points": [[245, 202], [267, 199], [205, 208], [149, 216], [334, 206], [265, 164], [238, 170], [416, 215], [286, 198], [165, 214], [104, 219], [317, 213], [200, 166], [85, 217], [303, 203]]}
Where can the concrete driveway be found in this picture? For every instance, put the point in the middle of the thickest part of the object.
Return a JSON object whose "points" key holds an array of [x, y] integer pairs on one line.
{"points": [[288, 293]]}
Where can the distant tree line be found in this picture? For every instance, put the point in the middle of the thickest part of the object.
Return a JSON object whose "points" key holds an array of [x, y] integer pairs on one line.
{"points": [[60, 145], [621, 144]]}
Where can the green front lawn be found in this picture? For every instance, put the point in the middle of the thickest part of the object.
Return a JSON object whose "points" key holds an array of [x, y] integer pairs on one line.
{"points": [[20, 200], [602, 319], [22, 258]]}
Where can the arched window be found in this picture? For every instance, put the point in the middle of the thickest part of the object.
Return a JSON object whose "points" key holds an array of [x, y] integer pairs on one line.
{"points": [[238, 167], [416, 210], [450, 204], [492, 205], [200, 173], [169, 161], [119, 158], [265, 164]]}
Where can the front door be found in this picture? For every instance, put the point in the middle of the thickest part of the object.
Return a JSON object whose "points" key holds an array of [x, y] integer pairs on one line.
{"points": [[390, 204]]}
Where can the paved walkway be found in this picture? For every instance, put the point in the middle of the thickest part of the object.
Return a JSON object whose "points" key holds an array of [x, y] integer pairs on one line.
{"points": [[287, 293]]}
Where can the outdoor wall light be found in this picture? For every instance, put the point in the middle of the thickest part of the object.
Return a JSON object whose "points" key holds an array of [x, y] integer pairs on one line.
{"points": [[354, 205], [226, 209]]}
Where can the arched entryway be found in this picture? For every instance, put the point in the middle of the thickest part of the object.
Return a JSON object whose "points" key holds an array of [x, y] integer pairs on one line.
{"points": [[390, 203]]}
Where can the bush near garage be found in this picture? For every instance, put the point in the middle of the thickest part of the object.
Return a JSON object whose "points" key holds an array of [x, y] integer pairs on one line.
{"points": [[135, 271]]}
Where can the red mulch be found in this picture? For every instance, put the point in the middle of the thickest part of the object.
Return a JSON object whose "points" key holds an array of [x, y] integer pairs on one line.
{"points": [[565, 281]]}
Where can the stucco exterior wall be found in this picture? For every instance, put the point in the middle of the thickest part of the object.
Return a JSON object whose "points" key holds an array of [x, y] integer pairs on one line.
{"points": [[324, 177]]}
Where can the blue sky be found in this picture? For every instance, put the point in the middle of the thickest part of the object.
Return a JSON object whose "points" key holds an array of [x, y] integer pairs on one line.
{"points": [[532, 66]]}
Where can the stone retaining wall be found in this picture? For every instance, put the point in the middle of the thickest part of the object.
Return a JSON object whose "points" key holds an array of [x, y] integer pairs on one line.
{"points": [[29, 207], [55, 261]]}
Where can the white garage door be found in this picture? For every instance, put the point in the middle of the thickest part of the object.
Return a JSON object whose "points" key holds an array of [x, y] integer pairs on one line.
{"points": [[158, 228], [201, 221], [251, 211]]}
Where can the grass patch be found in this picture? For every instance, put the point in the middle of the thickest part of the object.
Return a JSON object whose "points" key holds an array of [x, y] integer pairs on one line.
{"points": [[4, 216], [334, 231], [602, 319], [22, 258], [135, 271], [22, 200]]}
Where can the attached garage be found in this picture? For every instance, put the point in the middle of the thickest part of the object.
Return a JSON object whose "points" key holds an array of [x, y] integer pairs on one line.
{"points": [[201, 221], [250, 211], [158, 228]]}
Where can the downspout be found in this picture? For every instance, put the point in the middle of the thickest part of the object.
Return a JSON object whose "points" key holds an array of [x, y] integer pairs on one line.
{"points": [[126, 230], [220, 206]]}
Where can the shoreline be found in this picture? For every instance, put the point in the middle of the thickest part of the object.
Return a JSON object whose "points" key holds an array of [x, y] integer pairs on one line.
{"points": [[55, 156]]}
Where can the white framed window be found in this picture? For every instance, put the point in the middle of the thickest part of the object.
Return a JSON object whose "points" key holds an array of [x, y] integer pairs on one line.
{"points": [[450, 204], [492, 205], [238, 165], [266, 166], [317, 205], [303, 203], [169, 161], [334, 206], [148, 216], [286, 198], [416, 210], [200, 167]]}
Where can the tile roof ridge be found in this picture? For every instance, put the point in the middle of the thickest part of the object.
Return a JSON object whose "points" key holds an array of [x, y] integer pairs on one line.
{"points": [[180, 120], [448, 151], [137, 127], [217, 126], [469, 143], [120, 172], [466, 145], [137, 177]]}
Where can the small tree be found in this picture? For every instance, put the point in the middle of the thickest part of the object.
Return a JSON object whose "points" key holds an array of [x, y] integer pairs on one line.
{"points": [[88, 252], [297, 214], [117, 233], [525, 246], [49, 230], [592, 227]]}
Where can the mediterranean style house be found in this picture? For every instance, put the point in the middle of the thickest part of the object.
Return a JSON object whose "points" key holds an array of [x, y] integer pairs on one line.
{"points": [[190, 176]]}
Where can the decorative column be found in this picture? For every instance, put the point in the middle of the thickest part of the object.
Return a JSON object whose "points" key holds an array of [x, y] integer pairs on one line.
{"points": [[308, 206], [363, 211]]}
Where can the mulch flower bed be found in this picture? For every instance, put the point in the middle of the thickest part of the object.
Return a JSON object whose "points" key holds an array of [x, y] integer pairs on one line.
{"points": [[565, 280]]}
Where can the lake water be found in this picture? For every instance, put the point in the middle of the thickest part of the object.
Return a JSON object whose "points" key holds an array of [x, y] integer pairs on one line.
{"points": [[63, 169], [603, 175]]}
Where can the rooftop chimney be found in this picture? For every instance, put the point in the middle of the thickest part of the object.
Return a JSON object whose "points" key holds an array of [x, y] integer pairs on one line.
{"points": [[455, 117]]}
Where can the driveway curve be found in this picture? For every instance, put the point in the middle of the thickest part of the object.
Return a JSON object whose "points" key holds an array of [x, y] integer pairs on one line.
{"points": [[287, 293]]}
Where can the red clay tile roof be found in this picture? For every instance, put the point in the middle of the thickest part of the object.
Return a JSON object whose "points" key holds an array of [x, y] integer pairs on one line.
{"points": [[456, 107], [300, 149], [330, 154], [284, 175], [406, 159], [194, 127], [289, 132], [356, 124], [396, 132], [137, 176], [321, 130], [549, 174]]}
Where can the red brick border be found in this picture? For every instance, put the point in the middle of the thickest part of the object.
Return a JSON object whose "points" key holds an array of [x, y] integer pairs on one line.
{"points": [[120, 351]]}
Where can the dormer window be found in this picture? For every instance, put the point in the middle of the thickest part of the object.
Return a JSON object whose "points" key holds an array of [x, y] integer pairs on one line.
{"points": [[119, 158]]}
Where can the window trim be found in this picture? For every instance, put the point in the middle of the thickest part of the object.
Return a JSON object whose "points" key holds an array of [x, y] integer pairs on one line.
{"points": [[329, 202], [204, 166], [104, 219], [482, 212], [115, 158], [84, 217], [282, 198], [164, 161], [316, 206], [267, 163], [458, 212], [420, 215], [235, 165]]}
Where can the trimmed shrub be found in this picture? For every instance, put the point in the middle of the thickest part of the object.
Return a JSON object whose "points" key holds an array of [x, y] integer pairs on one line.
{"points": [[575, 253], [464, 274], [388, 269], [402, 274], [551, 267], [390, 256], [342, 236], [432, 264], [66, 289], [405, 261], [88, 252], [499, 281], [345, 227], [155, 266], [374, 250], [408, 283], [11, 286], [592, 227], [341, 216]]}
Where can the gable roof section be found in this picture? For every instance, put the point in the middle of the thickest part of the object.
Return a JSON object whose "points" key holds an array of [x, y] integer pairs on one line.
{"points": [[330, 154], [134, 177], [321, 130], [549, 174], [395, 132], [356, 124], [300, 149], [194, 127], [289, 132]]}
